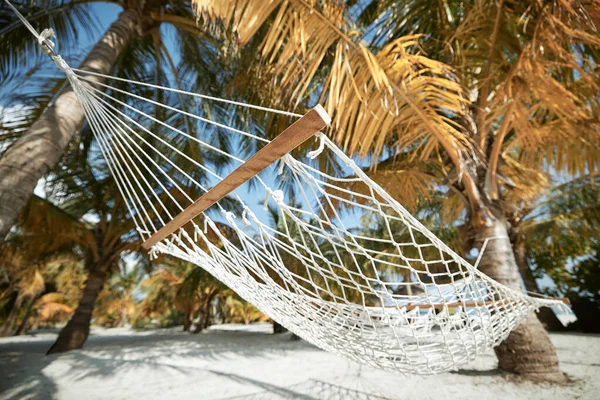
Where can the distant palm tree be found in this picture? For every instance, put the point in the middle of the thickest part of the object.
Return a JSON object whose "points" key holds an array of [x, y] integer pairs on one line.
{"points": [[95, 225], [179, 286], [27, 272], [50, 309], [198, 291], [242, 311], [159, 291], [116, 304], [29, 286]]}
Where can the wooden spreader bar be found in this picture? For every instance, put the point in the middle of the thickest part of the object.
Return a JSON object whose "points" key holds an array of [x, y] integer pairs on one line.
{"points": [[297, 133]]}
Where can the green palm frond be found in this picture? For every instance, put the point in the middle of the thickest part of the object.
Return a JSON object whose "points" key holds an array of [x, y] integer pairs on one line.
{"points": [[566, 221], [48, 227], [70, 20]]}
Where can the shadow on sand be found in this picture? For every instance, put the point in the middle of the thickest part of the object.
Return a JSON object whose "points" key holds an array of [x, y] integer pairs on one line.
{"points": [[310, 390], [478, 372], [26, 373], [21, 375]]}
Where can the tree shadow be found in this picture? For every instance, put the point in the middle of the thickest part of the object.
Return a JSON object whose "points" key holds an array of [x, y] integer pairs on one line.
{"points": [[480, 372], [309, 390], [166, 351], [21, 372], [111, 355]]}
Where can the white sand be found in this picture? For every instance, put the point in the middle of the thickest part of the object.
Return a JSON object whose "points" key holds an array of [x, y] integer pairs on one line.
{"points": [[245, 363]]}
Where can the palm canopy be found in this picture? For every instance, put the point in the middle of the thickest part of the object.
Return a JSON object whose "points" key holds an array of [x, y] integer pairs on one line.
{"points": [[506, 96], [169, 50]]}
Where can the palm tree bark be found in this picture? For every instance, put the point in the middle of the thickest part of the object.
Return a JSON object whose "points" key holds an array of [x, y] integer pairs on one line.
{"points": [[187, 319], [21, 330], [204, 313], [528, 350], [77, 330], [7, 328], [545, 314], [38, 150], [201, 320]]}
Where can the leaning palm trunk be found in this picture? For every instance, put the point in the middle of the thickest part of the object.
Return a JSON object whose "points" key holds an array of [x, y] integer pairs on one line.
{"points": [[22, 329], [204, 313], [187, 319], [77, 330], [38, 150], [528, 350], [7, 328]]}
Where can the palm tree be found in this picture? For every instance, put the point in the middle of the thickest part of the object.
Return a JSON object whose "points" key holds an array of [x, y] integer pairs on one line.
{"points": [[29, 286], [65, 280], [116, 304], [179, 286], [159, 290], [28, 271], [507, 99], [102, 243], [50, 113], [197, 292], [242, 311]]}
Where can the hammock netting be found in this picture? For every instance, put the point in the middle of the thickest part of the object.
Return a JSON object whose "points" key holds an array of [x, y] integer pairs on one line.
{"points": [[340, 263], [388, 293]]}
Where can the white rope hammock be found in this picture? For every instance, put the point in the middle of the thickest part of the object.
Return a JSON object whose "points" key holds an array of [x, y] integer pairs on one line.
{"points": [[391, 294]]}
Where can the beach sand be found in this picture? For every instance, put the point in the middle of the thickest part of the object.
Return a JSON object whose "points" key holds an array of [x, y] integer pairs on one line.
{"points": [[239, 362]]}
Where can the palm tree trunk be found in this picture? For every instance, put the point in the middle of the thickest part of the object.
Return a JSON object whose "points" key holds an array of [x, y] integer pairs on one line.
{"points": [[77, 330], [545, 314], [205, 312], [528, 350], [21, 329], [38, 150], [206, 321], [187, 319], [201, 319], [7, 328]]}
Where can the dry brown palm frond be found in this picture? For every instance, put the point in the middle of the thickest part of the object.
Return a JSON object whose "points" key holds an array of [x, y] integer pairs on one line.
{"points": [[542, 109], [243, 18], [530, 69], [45, 224], [592, 11], [52, 307], [32, 284], [526, 184], [405, 179], [395, 96]]}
